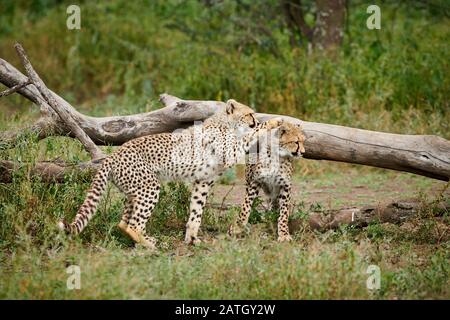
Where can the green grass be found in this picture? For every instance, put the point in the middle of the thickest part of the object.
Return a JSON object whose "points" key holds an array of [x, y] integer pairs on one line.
{"points": [[318, 266], [34, 255]]}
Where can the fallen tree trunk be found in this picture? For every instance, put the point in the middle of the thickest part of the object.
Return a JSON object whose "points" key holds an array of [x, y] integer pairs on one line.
{"points": [[420, 154], [395, 212]]}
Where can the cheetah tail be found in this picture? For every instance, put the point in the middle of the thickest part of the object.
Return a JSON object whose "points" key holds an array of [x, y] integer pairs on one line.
{"points": [[89, 206]]}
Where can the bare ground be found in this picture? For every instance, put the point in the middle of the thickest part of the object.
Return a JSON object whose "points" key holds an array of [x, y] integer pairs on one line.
{"points": [[351, 188]]}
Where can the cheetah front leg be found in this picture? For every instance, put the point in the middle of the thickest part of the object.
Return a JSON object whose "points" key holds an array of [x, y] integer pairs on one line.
{"points": [[250, 194], [283, 219], [198, 199]]}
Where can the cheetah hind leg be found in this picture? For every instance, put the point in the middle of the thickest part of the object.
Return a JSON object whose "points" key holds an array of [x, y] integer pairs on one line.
{"points": [[240, 226], [142, 206], [123, 224]]}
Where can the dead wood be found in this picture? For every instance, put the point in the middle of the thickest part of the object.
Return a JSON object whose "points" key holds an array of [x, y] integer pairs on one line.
{"points": [[393, 212]]}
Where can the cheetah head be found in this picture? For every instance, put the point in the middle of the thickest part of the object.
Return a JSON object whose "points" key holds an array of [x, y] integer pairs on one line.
{"points": [[241, 115], [291, 140]]}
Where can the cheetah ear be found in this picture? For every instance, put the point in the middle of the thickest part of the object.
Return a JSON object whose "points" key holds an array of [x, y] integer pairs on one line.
{"points": [[231, 106]]}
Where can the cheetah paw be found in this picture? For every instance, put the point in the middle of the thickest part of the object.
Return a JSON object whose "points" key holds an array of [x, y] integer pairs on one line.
{"points": [[192, 240], [132, 234], [238, 230], [234, 230], [148, 242]]}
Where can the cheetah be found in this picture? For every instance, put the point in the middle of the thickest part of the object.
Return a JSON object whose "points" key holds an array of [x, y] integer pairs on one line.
{"points": [[197, 155], [272, 172]]}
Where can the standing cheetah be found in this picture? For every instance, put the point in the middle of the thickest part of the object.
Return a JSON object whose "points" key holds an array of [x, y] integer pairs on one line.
{"points": [[198, 155], [272, 172]]}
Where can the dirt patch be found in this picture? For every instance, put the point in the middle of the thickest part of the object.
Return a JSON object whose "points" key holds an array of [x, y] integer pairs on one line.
{"points": [[345, 191]]}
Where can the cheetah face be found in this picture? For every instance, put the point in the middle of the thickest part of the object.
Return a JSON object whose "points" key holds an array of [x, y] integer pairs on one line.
{"points": [[291, 140], [241, 115]]}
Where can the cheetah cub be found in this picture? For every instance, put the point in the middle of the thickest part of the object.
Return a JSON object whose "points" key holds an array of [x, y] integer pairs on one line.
{"points": [[271, 171], [197, 155]]}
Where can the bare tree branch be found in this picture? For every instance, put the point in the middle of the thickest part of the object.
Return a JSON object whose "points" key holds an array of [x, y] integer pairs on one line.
{"points": [[47, 171], [65, 115], [13, 89]]}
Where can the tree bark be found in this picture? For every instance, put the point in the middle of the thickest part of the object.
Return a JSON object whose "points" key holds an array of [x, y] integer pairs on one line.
{"points": [[328, 31], [420, 154]]}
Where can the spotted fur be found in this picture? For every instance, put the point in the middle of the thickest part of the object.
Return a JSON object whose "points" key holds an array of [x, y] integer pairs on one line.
{"points": [[271, 171], [197, 155]]}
